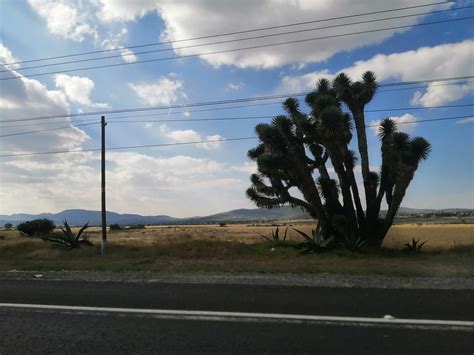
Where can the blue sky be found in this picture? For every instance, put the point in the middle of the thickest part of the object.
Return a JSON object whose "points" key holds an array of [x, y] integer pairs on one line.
{"points": [[199, 180]]}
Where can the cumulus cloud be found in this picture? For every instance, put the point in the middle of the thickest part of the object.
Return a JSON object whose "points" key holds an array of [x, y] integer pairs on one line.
{"points": [[79, 20], [125, 10], [405, 123], [189, 135], [136, 182], [77, 89], [64, 19], [445, 60], [6, 57], [164, 91], [439, 94], [188, 19]]}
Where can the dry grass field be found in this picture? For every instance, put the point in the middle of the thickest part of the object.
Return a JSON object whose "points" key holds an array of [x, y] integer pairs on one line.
{"points": [[239, 248]]}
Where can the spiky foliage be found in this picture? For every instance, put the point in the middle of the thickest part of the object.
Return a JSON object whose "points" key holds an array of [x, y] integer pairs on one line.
{"points": [[68, 238], [414, 246], [294, 151], [317, 242], [276, 237]]}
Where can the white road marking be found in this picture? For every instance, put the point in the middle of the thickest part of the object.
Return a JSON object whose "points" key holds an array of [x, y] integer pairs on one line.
{"points": [[251, 317]]}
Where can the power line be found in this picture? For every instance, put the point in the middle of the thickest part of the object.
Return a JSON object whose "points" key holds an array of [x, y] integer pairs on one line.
{"points": [[239, 39], [240, 118], [219, 102], [236, 49], [231, 33], [46, 130], [129, 147], [200, 142], [234, 107], [271, 116]]}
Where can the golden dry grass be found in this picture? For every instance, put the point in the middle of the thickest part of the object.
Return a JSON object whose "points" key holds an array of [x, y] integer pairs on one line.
{"points": [[449, 251], [438, 236]]}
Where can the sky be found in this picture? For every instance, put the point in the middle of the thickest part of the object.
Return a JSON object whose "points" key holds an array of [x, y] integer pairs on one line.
{"points": [[208, 178]]}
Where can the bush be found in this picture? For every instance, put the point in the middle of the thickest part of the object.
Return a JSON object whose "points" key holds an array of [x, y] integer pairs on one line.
{"points": [[137, 226], [8, 225], [37, 227], [222, 224], [115, 227]]}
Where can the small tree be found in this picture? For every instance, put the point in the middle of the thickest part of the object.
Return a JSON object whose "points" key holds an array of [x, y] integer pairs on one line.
{"points": [[37, 227], [8, 225], [296, 147]]}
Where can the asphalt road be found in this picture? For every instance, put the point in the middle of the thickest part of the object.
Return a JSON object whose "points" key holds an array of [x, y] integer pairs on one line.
{"points": [[52, 331]]}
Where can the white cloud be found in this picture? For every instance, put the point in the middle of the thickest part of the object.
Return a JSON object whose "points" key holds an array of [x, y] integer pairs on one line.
{"points": [[189, 135], [136, 182], [164, 91], [234, 87], [78, 20], [77, 89], [32, 183], [466, 120], [116, 40], [247, 167], [439, 94], [445, 60], [189, 19], [6, 56], [405, 123], [62, 19], [125, 10], [26, 97], [211, 145]]}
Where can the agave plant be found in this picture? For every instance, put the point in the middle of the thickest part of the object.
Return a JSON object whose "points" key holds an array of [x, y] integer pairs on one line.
{"points": [[276, 236], [414, 246], [68, 238], [354, 243], [315, 243]]}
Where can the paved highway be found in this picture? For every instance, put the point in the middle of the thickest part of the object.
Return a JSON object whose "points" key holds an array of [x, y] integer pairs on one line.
{"points": [[270, 319]]}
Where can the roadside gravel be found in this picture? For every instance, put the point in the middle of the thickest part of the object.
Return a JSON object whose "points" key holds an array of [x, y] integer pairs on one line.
{"points": [[286, 279]]}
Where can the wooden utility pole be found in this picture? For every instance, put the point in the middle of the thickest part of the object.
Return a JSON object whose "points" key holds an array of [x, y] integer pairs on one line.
{"points": [[103, 244]]}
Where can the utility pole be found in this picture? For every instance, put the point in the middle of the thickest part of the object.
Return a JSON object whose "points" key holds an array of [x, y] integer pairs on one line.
{"points": [[103, 244]]}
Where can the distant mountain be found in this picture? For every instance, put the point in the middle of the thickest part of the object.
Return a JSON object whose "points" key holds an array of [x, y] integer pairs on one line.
{"points": [[80, 217], [243, 215]]}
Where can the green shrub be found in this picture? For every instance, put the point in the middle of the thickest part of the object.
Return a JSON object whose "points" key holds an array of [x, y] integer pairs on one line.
{"points": [[115, 227], [8, 225], [137, 226], [39, 227]]}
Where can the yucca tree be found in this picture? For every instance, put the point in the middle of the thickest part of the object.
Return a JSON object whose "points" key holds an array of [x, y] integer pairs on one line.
{"points": [[296, 149]]}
